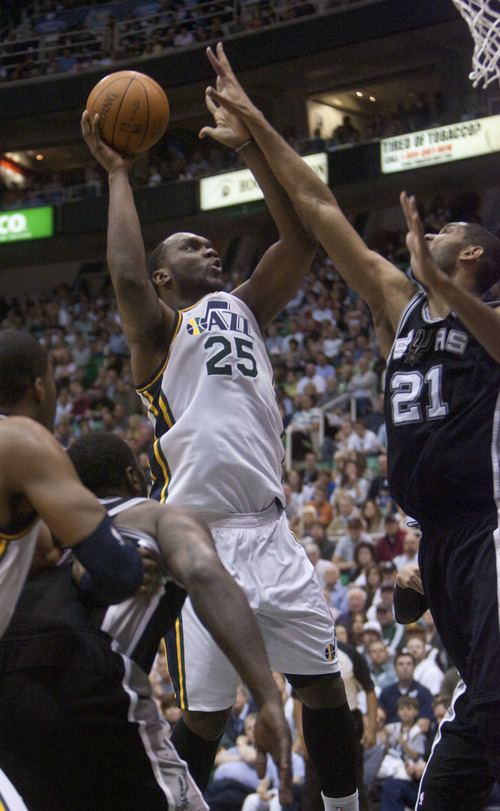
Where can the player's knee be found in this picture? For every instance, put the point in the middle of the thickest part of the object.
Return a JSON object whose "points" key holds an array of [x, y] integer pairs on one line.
{"points": [[207, 725], [317, 692]]}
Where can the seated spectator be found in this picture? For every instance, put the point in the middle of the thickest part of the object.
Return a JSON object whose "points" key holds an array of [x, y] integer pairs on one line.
{"points": [[392, 632], [410, 550], [345, 133], [380, 664], [364, 384], [364, 441], [391, 543], [346, 546], [311, 376], [405, 740], [320, 565], [379, 486], [336, 594], [318, 534], [235, 774], [373, 519], [426, 671], [404, 685], [324, 512], [364, 559], [356, 599], [373, 588], [266, 797], [243, 706], [354, 483]]}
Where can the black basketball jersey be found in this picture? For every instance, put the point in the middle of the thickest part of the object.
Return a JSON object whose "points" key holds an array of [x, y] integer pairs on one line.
{"points": [[441, 410]]}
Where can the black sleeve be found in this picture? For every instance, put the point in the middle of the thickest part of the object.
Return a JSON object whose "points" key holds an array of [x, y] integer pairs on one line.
{"points": [[359, 666], [409, 605]]}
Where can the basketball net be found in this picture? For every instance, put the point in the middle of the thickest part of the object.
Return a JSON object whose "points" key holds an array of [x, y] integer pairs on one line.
{"points": [[483, 19]]}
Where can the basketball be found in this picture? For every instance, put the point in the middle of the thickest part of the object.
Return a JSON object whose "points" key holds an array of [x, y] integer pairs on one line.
{"points": [[133, 111]]}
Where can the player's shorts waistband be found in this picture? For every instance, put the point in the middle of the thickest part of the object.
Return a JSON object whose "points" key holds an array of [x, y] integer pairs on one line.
{"points": [[272, 513]]}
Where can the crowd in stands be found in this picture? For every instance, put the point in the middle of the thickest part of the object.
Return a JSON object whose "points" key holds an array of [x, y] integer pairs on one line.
{"points": [[337, 503]]}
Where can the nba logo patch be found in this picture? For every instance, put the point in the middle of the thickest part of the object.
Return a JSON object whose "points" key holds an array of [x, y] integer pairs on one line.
{"points": [[421, 800], [330, 656]]}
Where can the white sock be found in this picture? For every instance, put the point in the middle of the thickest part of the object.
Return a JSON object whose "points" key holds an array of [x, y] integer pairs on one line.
{"points": [[349, 803]]}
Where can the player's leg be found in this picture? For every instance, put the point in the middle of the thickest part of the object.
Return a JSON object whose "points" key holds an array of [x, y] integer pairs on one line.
{"points": [[205, 687], [300, 639], [329, 737], [457, 774], [91, 726], [462, 583]]}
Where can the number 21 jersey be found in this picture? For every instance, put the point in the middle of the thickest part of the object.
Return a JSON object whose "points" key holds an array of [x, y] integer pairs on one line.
{"points": [[442, 411]]}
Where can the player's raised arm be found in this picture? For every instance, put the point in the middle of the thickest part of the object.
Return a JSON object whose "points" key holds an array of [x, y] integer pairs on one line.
{"points": [[384, 287], [284, 265], [39, 469], [482, 320], [146, 320]]}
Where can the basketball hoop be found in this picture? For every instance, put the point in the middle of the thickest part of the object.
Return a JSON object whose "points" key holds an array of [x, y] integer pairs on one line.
{"points": [[483, 19]]}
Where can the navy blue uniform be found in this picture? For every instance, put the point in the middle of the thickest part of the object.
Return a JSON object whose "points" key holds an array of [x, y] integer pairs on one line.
{"points": [[442, 412]]}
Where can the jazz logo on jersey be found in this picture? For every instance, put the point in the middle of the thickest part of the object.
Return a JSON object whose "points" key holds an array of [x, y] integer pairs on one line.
{"points": [[218, 317], [330, 653]]}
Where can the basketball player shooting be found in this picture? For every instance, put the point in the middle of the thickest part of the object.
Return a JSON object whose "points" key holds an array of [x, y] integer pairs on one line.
{"points": [[200, 363]]}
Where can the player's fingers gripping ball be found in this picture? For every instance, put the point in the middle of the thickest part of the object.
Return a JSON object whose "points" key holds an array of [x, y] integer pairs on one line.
{"points": [[133, 111]]}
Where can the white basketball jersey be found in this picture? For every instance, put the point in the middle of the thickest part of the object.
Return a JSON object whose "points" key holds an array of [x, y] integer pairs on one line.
{"points": [[16, 554], [126, 621], [217, 426]]}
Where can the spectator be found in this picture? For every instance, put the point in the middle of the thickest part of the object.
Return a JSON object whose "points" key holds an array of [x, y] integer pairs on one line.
{"points": [[336, 594], [373, 519], [405, 740], [426, 671], [345, 133], [391, 543], [392, 632], [410, 550], [235, 774], [406, 685], [364, 560], [346, 546], [381, 667]]}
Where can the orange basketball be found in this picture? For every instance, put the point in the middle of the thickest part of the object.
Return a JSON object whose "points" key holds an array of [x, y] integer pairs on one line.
{"points": [[133, 111]]}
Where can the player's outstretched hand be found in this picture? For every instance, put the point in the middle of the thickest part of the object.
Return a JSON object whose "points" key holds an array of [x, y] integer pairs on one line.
{"points": [[423, 266], [228, 92], [229, 130], [272, 734], [107, 157]]}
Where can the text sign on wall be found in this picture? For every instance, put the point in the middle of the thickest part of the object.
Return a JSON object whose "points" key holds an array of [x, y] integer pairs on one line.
{"points": [[233, 188], [27, 223], [452, 142]]}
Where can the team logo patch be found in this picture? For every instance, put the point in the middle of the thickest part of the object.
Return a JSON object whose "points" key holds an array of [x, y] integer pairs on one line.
{"points": [[3, 548], [330, 653], [195, 327]]}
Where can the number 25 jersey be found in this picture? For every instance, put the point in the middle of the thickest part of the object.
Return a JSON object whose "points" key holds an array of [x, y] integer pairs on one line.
{"points": [[217, 427], [442, 411]]}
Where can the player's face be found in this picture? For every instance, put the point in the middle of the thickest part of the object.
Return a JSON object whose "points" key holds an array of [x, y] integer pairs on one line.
{"points": [[446, 246], [194, 263]]}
